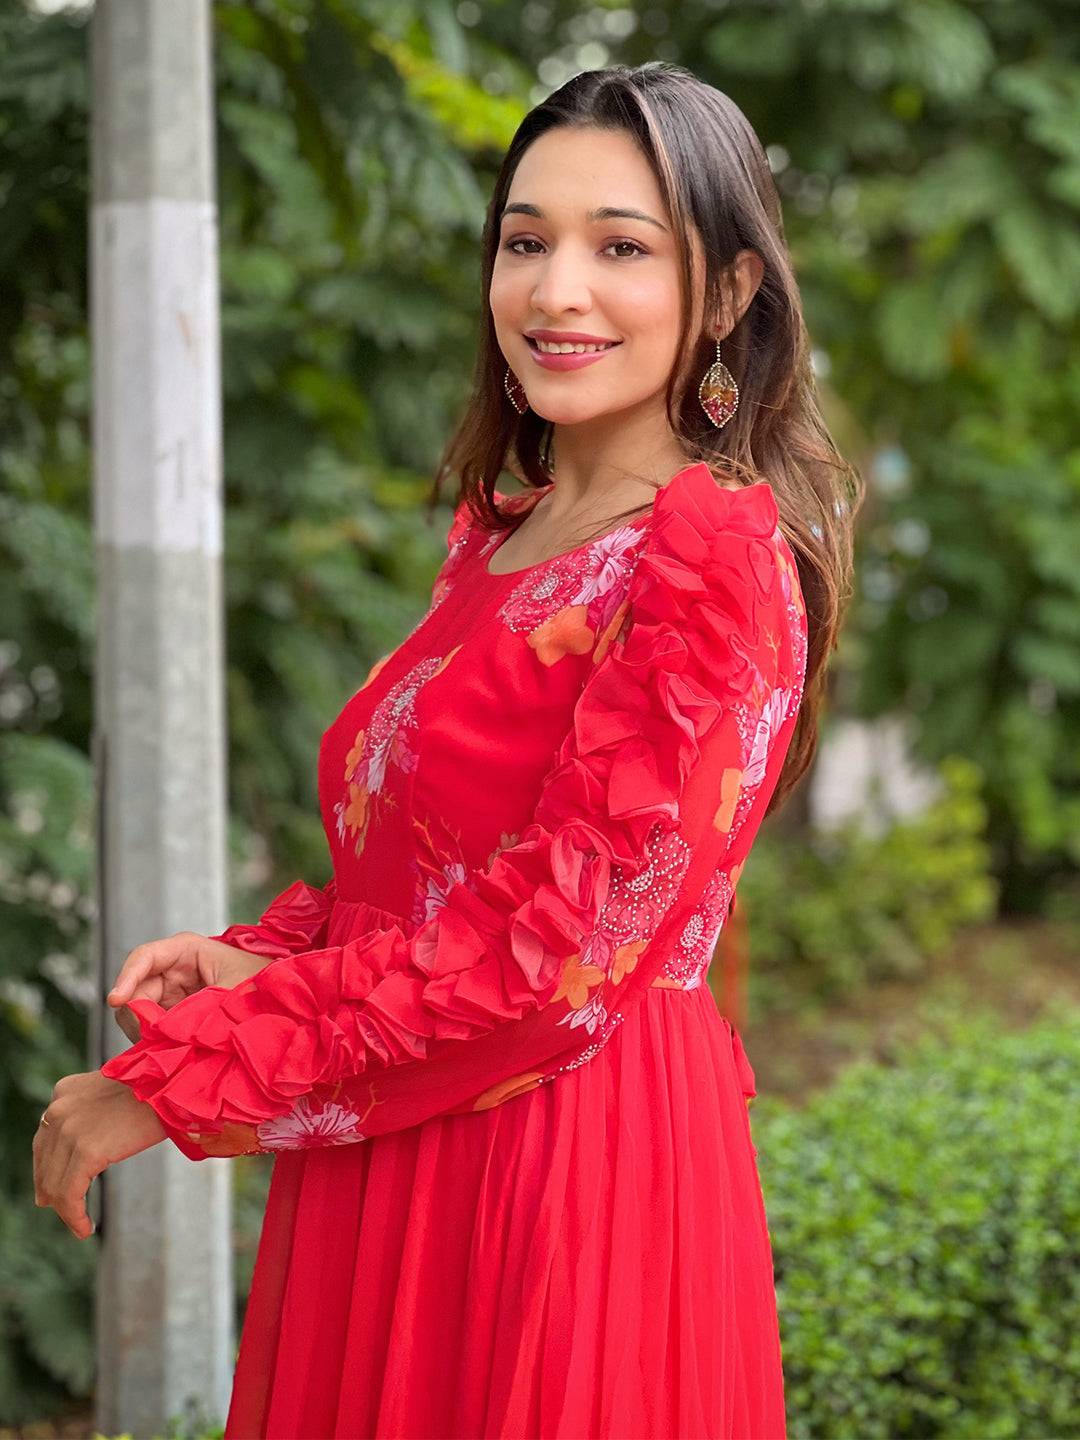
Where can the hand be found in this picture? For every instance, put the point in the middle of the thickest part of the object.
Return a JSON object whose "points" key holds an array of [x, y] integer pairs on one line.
{"points": [[171, 969], [92, 1122]]}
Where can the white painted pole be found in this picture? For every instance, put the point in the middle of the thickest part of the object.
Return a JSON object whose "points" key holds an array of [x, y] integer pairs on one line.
{"points": [[165, 1339]]}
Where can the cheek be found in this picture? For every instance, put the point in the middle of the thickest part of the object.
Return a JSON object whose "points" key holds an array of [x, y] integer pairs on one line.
{"points": [[648, 305], [506, 294]]}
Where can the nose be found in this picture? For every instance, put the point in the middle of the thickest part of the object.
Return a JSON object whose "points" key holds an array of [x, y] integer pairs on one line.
{"points": [[562, 284]]}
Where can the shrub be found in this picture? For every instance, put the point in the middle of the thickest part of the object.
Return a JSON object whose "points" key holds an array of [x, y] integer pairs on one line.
{"points": [[830, 912], [926, 1234]]}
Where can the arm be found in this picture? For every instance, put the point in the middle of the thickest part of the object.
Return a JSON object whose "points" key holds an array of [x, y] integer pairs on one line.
{"points": [[675, 748]]}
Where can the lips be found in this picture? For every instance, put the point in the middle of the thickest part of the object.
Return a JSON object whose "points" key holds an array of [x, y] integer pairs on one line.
{"points": [[600, 344]]}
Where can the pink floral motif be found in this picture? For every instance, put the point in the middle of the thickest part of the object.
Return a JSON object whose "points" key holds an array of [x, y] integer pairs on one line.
{"points": [[309, 1124], [390, 737], [777, 709], [563, 603], [432, 898]]}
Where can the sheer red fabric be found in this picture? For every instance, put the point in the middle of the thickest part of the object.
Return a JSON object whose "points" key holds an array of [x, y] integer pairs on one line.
{"points": [[537, 807]]}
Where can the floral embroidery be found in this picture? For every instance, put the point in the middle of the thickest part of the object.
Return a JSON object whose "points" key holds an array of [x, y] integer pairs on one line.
{"points": [[693, 951], [389, 738], [564, 604], [682, 692], [629, 918], [635, 908]]}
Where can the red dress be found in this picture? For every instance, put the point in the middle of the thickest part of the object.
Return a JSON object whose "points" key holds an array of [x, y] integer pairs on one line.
{"points": [[515, 1192]]}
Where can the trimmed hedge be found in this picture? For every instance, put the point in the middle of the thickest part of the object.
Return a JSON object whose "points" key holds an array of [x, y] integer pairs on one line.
{"points": [[925, 1221]]}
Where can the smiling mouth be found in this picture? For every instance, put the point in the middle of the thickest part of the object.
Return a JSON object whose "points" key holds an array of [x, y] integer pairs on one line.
{"points": [[575, 349]]}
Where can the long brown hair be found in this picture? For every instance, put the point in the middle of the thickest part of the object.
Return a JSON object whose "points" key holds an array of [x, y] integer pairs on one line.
{"points": [[713, 175]]}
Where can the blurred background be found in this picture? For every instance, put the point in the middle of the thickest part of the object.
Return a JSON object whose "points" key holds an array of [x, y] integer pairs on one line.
{"points": [[905, 968]]}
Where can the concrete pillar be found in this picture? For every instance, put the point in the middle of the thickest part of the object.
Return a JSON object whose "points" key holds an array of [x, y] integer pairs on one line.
{"points": [[164, 1306]]}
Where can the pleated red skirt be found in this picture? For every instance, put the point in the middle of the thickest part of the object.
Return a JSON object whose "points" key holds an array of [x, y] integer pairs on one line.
{"points": [[589, 1259]]}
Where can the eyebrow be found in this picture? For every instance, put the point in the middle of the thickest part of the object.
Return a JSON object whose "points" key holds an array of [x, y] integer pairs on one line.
{"points": [[606, 212]]}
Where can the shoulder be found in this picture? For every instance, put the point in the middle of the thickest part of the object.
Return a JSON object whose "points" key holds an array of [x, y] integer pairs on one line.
{"points": [[703, 534], [465, 520], [718, 573]]}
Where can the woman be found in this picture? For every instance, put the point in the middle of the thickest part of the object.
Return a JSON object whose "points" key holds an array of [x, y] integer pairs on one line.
{"points": [[515, 1190]]}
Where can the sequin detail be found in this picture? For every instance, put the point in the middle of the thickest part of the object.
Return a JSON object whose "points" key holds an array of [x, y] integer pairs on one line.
{"points": [[595, 576]]}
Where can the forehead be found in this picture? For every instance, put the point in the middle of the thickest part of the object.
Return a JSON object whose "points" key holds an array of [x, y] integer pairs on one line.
{"points": [[579, 169]]}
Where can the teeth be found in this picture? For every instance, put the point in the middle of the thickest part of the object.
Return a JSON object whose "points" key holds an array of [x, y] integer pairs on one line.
{"points": [[549, 348]]}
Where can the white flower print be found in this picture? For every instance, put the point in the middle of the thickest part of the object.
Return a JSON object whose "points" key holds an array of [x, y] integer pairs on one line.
{"points": [[591, 1014], [308, 1125], [435, 894], [594, 577], [772, 717]]}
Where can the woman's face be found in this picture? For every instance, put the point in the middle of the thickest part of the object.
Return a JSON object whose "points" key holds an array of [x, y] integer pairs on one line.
{"points": [[614, 277]]}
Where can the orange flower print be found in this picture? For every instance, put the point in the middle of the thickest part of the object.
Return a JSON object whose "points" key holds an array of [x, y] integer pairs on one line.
{"points": [[576, 981], [729, 796], [609, 632], [353, 757], [445, 660], [574, 985], [626, 958], [507, 1089], [355, 815], [388, 739], [232, 1139], [565, 633]]}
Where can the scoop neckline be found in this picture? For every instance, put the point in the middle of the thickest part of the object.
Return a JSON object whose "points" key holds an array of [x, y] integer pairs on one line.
{"points": [[575, 549]]}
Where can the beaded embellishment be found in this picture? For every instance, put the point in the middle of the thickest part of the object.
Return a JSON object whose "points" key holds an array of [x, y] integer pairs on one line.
{"points": [[591, 581], [689, 960], [630, 917]]}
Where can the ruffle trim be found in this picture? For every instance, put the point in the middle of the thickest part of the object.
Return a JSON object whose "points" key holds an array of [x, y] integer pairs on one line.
{"points": [[295, 920], [501, 943]]}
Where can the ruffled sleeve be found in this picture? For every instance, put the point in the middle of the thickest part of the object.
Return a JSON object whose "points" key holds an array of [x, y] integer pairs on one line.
{"points": [[295, 920], [676, 743]]}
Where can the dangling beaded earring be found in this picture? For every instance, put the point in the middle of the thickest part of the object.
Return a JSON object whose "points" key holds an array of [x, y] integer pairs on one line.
{"points": [[718, 393], [516, 391]]}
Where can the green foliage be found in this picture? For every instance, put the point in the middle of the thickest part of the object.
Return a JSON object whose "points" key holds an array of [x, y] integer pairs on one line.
{"points": [[831, 913], [45, 1277], [926, 1240], [930, 174]]}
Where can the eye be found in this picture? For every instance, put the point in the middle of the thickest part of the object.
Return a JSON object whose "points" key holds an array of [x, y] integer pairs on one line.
{"points": [[638, 249], [524, 240]]}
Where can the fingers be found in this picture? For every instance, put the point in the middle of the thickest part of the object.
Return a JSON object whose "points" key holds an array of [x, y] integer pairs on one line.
{"points": [[70, 1203], [147, 963], [62, 1176], [140, 966], [128, 1023]]}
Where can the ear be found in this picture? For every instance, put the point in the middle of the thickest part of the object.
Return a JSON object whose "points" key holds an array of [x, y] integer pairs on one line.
{"points": [[748, 268]]}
